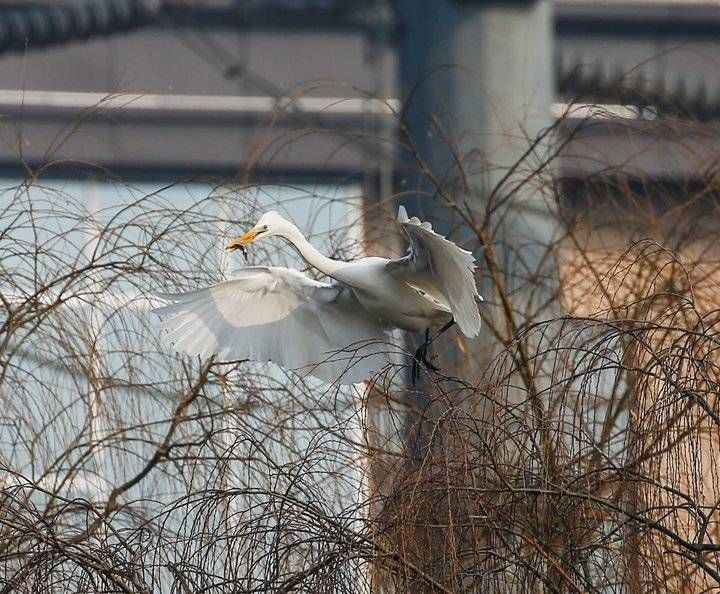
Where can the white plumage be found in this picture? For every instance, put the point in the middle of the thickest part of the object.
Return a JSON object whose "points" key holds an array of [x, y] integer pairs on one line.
{"points": [[441, 268], [339, 331]]}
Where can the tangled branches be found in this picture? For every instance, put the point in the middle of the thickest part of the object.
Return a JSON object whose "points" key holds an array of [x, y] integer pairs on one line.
{"points": [[573, 449]]}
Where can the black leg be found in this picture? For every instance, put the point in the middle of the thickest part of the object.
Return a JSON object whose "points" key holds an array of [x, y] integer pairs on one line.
{"points": [[429, 340], [442, 330], [421, 354], [426, 347], [415, 372]]}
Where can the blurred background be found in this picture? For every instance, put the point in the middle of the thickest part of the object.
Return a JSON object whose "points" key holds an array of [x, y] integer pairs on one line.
{"points": [[312, 91], [571, 145], [358, 101], [188, 88]]}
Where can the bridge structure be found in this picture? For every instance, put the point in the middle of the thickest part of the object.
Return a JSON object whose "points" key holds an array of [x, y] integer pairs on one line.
{"points": [[292, 91]]}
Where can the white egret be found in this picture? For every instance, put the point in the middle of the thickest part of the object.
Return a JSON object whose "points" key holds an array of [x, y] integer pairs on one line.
{"points": [[336, 331]]}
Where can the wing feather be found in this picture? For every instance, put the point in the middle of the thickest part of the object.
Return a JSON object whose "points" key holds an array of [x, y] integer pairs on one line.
{"points": [[280, 315], [440, 267]]}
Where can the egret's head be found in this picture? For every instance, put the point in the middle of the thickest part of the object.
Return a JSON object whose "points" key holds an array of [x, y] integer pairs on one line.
{"points": [[271, 223]]}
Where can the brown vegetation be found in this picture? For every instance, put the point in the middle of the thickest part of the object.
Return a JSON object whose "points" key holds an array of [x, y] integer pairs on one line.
{"points": [[573, 448]]}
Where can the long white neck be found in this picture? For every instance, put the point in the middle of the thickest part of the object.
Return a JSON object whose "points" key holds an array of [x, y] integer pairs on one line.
{"points": [[309, 253]]}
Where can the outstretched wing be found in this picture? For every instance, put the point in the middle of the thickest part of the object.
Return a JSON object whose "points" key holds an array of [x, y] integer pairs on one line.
{"points": [[280, 315], [441, 268]]}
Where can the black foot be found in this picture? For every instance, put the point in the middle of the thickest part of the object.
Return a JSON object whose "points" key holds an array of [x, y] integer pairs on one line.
{"points": [[421, 358]]}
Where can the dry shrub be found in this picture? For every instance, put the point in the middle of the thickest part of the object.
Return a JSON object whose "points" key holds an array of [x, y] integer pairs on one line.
{"points": [[571, 449]]}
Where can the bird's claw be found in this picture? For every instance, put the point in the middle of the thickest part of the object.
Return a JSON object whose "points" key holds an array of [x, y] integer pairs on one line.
{"points": [[421, 357], [429, 364]]}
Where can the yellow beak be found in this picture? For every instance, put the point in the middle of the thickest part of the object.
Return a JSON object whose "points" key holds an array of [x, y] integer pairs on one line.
{"points": [[243, 240]]}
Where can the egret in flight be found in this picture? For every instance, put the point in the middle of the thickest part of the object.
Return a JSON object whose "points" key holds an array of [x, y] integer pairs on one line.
{"points": [[337, 331]]}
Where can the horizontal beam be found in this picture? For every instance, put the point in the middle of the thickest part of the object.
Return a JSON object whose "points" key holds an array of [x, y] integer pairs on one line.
{"points": [[196, 104], [638, 20]]}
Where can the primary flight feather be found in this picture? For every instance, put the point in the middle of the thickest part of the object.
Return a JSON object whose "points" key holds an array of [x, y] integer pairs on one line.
{"points": [[336, 331]]}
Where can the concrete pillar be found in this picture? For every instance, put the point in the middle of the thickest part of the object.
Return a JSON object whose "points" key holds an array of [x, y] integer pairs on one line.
{"points": [[478, 80]]}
